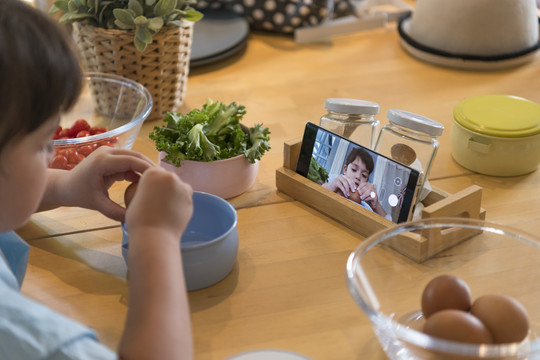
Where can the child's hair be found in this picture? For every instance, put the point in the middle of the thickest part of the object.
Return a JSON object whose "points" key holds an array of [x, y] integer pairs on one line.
{"points": [[362, 154], [39, 73]]}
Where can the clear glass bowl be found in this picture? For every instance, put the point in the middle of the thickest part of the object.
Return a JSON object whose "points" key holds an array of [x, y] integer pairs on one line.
{"points": [[491, 258], [112, 102]]}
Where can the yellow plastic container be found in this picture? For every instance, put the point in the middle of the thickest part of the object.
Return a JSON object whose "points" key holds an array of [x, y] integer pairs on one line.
{"points": [[497, 135]]}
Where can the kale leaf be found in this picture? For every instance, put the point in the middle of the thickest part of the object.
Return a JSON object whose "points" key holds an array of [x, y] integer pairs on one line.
{"points": [[211, 133]]}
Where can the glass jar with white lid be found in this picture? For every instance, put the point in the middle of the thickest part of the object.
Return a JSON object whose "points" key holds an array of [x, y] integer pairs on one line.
{"points": [[353, 119], [411, 139]]}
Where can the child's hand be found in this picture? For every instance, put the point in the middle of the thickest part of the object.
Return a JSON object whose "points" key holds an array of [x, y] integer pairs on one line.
{"points": [[343, 184], [87, 184], [156, 218], [162, 201], [368, 193]]}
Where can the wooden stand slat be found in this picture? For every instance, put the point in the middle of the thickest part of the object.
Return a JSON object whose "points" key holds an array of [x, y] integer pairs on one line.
{"points": [[418, 247]]}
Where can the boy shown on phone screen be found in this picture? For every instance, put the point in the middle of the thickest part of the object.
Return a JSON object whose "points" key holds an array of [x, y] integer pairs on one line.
{"points": [[353, 182]]}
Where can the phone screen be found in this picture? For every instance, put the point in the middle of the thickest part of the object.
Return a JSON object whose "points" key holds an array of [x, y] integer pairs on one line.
{"points": [[364, 176]]}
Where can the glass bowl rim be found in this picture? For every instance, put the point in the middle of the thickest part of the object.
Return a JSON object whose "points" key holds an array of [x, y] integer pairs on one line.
{"points": [[415, 337], [121, 129]]}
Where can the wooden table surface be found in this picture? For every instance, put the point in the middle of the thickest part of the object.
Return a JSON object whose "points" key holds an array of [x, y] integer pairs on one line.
{"points": [[287, 289]]}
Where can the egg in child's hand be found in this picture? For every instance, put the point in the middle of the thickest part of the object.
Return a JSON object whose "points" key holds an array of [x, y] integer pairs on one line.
{"points": [[130, 192], [445, 292], [355, 196]]}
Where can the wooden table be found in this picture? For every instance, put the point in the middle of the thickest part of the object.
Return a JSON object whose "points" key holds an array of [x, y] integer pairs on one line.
{"points": [[287, 289]]}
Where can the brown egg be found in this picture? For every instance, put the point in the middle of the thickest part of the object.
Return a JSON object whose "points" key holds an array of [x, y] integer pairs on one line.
{"points": [[457, 325], [355, 196], [445, 292], [130, 192], [504, 316]]}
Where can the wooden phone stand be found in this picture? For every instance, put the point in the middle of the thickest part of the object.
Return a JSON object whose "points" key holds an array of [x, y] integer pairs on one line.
{"points": [[418, 247]]}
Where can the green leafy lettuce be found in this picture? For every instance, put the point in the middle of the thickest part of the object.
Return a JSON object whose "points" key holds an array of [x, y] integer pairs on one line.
{"points": [[210, 133], [316, 172]]}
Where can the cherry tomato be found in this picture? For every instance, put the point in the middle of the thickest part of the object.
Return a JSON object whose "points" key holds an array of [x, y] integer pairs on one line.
{"points": [[79, 125], [61, 152], [57, 132], [85, 150], [64, 134], [97, 130], [59, 162], [67, 158], [80, 128], [83, 133], [72, 156]]}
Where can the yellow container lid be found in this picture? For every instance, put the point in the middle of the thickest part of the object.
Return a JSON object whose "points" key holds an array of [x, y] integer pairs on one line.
{"points": [[499, 115]]}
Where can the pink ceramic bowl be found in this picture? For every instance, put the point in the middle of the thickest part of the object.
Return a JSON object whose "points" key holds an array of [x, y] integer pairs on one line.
{"points": [[224, 178]]}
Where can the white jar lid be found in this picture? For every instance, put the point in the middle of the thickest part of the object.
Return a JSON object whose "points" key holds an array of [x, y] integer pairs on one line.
{"points": [[351, 106], [415, 122]]}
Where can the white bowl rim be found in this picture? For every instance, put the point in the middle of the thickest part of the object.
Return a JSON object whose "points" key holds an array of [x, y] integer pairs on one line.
{"points": [[162, 159], [418, 338], [121, 129]]}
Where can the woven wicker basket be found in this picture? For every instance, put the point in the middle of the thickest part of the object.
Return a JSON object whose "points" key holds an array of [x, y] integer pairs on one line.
{"points": [[162, 67]]}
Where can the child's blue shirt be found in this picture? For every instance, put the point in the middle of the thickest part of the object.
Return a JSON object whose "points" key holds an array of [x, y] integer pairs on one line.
{"points": [[29, 330]]}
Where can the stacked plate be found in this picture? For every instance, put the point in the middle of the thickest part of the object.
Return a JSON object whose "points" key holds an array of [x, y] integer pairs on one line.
{"points": [[218, 35]]}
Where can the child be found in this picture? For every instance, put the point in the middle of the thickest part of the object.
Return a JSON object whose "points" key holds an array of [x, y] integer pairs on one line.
{"points": [[39, 78], [353, 183]]}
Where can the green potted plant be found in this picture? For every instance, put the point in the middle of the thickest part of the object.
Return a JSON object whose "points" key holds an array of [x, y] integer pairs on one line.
{"points": [[148, 41]]}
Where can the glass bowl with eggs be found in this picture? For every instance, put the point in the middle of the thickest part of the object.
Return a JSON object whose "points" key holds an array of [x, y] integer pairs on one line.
{"points": [[109, 112], [475, 300]]}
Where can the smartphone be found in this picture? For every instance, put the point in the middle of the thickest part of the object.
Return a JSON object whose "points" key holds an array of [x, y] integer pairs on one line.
{"points": [[387, 187]]}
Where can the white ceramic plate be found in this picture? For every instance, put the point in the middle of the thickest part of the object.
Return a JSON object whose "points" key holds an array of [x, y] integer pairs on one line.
{"points": [[268, 355], [461, 61]]}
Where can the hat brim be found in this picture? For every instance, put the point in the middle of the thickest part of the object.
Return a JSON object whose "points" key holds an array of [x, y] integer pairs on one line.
{"points": [[462, 61]]}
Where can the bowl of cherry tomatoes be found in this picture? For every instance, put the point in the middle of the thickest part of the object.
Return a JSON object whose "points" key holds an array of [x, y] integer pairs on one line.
{"points": [[109, 112]]}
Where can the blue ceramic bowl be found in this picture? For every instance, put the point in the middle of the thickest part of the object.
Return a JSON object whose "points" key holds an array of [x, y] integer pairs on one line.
{"points": [[209, 244]]}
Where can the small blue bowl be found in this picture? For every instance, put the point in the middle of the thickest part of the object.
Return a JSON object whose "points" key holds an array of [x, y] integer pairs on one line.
{"points": [[209, 244]]}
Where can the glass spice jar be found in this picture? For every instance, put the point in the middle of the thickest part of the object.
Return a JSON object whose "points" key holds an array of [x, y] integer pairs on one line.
{"points": [[352, 119], [411, 139]]}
